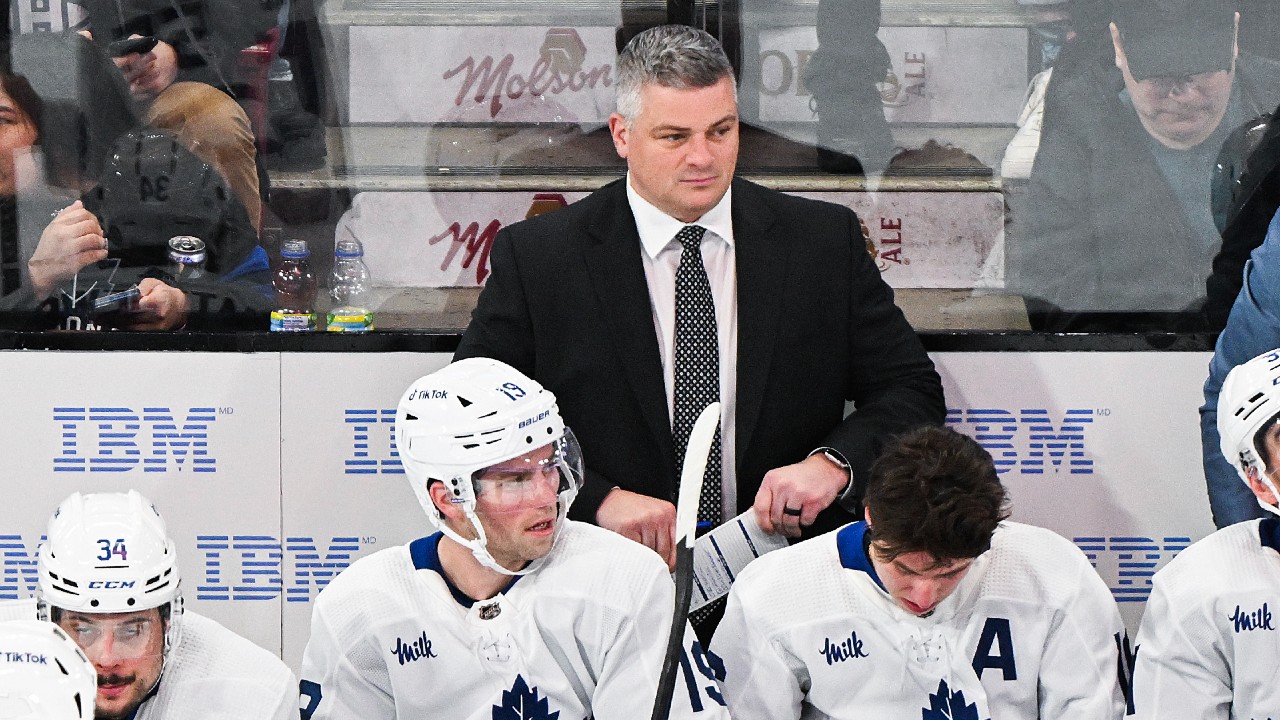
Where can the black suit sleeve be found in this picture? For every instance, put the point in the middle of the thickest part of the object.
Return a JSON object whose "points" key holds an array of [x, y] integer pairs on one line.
{"points": [[500, 325], [893, 384], [502, 328]]}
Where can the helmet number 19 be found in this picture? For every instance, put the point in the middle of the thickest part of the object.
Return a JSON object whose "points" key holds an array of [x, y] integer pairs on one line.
{"points": [[511, 390], [112, 549]]}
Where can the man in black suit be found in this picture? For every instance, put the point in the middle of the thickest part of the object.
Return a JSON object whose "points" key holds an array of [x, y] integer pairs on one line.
{"points": [[582, 300]]}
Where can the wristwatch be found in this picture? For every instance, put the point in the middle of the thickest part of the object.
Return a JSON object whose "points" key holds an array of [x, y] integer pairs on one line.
{"points": [[834, 456]]}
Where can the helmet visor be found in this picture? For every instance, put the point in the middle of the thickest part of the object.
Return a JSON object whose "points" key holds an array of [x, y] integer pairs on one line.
{"points": [[129, 637], [536, 479]]}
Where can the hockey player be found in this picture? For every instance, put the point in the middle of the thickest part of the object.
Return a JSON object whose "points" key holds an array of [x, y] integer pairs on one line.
{"points": [[108, 576], [933, 607], [510, 610], [1208, 644], [43, 675]]}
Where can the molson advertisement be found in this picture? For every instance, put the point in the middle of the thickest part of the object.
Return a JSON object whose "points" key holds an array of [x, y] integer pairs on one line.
{"points": [[939, 75], [918, 239], [481, 74]]}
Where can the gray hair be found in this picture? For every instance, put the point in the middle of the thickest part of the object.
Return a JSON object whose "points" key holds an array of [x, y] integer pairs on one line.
{"points": [[673, 56]]}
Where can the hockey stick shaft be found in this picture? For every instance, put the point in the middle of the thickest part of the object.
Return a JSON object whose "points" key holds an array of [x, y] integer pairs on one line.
{"points": [[701, 441]]}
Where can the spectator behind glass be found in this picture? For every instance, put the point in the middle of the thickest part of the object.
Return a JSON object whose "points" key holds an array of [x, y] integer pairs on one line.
{"points": [[1120, 232], [1251, 192], [187, 82], [853, 135], [66, 98]]}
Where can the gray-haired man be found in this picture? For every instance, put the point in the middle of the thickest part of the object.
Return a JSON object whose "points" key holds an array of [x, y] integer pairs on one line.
{"points": [[775, 309]]}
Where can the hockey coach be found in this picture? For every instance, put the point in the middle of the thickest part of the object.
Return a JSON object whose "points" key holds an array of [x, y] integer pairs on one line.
{"points": [[681, 285]]}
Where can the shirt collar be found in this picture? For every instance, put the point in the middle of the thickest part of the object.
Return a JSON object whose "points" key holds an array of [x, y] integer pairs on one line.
{"points": [[851, 543], [1269, 533], [657, 229], [425, 554]]}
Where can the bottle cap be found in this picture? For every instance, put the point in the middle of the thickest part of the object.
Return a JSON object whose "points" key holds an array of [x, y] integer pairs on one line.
{"points": [[348, 248], [295, 249]]}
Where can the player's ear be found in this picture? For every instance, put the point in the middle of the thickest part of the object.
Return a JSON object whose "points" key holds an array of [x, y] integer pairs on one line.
{"points": [[440, 498], [866, 514], [1260, 488]]}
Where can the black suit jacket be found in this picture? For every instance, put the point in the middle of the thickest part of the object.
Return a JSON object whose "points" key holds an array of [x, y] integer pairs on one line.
{"points": [[567, 304]]}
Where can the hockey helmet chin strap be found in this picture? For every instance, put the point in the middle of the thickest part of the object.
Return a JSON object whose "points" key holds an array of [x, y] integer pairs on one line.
{"points": [[1266, 480], [1251, 462], [479, 544]]}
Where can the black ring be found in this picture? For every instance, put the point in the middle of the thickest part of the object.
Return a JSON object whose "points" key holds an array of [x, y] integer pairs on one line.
{"points": [[793, 512]]}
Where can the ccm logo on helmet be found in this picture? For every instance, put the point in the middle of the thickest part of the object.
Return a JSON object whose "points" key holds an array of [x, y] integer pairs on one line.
{"points": [[110, 584], [541, 416]]}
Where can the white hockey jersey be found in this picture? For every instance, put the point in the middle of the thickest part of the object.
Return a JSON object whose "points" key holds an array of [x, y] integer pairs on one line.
{"points": [[214, 674], [1030, 632], [583, 636], [1209, 645]]}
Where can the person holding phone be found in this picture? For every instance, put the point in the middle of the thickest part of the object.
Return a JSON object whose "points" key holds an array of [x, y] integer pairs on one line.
{"points": [[72, 227], [180, 60]]}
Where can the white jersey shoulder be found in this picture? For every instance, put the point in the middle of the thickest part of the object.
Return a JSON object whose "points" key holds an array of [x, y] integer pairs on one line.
{"points": [[1209, 641], [1031, 631], [582, 635], [215, 674], [1231, 559]]}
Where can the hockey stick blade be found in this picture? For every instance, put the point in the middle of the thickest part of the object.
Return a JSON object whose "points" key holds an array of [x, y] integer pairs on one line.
{"points": [[701, 439], [695, 467]]}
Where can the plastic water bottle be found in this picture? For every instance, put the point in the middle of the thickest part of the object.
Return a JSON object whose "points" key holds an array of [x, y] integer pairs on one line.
{"points": [[350, 289], [295, 287]]}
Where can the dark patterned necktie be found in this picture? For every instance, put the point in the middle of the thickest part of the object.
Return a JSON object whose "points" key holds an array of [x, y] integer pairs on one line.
{"points": [[697, 364]]}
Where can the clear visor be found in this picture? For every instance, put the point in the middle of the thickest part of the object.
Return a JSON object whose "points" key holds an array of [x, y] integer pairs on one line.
{"points": [[107, 640], [533, 480]]}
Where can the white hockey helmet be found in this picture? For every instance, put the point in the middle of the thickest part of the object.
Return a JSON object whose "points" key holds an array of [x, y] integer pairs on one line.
{"points": [[43, 674], [1249, 400], [110, 553], [469, 416]]}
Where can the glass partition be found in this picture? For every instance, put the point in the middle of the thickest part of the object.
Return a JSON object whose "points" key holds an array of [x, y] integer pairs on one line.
{"points": [[1015, 164]]}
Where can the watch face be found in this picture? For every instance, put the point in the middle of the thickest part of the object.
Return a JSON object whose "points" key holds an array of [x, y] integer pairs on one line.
{"points": [[836, 459]]}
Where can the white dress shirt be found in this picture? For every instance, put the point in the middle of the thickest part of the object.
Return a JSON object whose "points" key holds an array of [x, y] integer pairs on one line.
{"points": [[661, 257]]}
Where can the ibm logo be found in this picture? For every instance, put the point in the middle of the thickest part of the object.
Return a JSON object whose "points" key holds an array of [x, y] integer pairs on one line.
{"points": [[253, 567], [118, 439], [1032, 442], [373, 443], [1135, 560], [236, 567], [18, 575]]}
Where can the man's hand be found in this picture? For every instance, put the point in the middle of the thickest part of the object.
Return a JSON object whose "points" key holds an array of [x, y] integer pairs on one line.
{"points": [[160, 306], [74, 239], [791, 496], [649, 521], [149, 73]]}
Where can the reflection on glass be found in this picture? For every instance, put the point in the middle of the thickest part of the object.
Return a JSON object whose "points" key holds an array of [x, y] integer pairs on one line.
{"points": [[1120, 230], [422, 129]]}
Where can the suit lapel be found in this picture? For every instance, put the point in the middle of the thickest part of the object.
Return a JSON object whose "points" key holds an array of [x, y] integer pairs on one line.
{"points": [[617, 277], [762, 257]]}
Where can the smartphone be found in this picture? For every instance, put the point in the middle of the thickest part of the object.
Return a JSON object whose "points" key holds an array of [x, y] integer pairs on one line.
{"points": [[124, 300], [120, 48]]}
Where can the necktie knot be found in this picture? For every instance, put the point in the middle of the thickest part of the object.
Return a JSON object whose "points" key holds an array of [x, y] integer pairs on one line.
{"points": [[690, 236]]}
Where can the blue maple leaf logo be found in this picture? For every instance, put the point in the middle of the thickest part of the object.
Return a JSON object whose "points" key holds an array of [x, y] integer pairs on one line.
{"points": [[947, 705], [521, 702]]}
